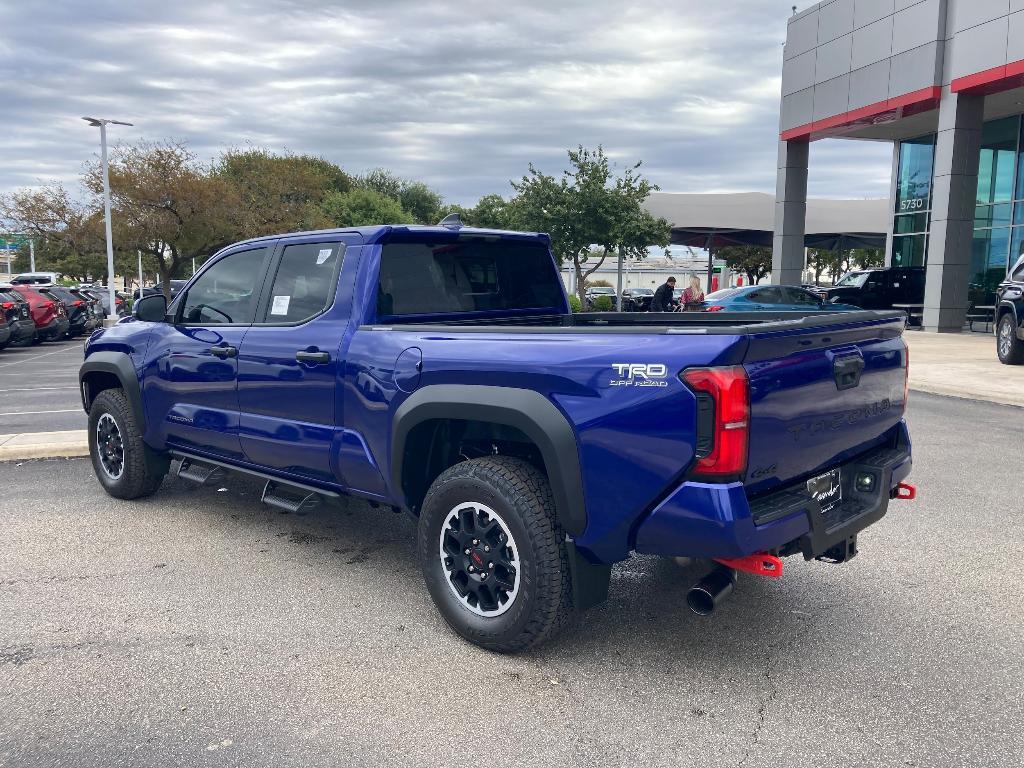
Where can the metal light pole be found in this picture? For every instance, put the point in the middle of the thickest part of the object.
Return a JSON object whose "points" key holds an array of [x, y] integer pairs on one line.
{"points": [[102, 125], [140, 273]]}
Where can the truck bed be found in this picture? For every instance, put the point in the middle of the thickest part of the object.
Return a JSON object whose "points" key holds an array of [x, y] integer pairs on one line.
{"points": [[732, 323]]}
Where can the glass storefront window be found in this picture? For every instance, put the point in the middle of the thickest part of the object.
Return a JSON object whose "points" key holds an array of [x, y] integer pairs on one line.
{"points": [[911, 222], [992, 215], [908, 250], [914, 182], [989, 250], [997, 161]]}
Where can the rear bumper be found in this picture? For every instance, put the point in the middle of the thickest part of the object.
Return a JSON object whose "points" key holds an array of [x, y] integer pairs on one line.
{"points": [[22, 331], [716, 520], [54, 329]]}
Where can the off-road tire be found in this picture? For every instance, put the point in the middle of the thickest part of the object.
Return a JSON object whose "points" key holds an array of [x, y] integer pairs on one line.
{"points": [[1009, 348], [521, 496], [143, 468]]}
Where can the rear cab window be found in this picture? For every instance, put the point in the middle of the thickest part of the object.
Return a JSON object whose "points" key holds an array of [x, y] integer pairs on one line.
{"points": [[440, 274]]}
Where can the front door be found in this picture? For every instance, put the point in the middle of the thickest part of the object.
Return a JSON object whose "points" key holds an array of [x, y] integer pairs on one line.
{"points": [[191, 386], [288, 364]]}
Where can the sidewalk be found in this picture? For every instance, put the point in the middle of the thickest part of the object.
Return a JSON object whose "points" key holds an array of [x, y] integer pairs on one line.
{"points": [[963, 365], [41, 445]]}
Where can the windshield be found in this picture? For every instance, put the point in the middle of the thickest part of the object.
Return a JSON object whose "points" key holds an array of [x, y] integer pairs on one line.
{"points": [[602, 291], [853, 279], [642, 291]]}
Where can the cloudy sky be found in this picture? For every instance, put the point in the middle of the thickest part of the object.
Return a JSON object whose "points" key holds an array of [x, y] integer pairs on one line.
{"points": [[461, 95]]}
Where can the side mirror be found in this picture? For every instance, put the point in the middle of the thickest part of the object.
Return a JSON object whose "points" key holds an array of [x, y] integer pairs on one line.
{"points": [[150, 309]]}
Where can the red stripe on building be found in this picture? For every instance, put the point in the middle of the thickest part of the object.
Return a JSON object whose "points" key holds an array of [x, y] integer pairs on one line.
{"points": [[1001, 78], [898, 106]]}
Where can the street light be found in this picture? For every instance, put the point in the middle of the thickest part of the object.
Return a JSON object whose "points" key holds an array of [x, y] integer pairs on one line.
{"points": [[102, 125]]}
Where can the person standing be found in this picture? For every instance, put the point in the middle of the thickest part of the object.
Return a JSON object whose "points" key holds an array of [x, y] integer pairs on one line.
{"points": [[692, 294], [662, 301]]}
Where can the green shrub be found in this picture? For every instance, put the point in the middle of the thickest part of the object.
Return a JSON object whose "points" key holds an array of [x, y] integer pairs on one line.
{"points": [[604, 304], [574, 304]]}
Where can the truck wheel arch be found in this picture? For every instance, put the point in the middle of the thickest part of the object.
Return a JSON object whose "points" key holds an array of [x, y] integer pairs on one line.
{"points": [[523, 409], [109, 370]]}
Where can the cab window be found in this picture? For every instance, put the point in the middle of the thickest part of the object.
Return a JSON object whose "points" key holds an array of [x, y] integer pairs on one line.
{"points": [[304, 283], [225, 293]]}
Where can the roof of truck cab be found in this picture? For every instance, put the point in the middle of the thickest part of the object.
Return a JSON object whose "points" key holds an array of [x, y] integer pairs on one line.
{"points": [[378, 232]]}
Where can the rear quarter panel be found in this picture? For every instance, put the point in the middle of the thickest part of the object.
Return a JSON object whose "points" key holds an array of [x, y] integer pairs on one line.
{"points": [[632, 440]]}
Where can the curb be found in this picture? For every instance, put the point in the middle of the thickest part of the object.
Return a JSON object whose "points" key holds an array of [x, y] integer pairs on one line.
{"points": [[44, 445]]}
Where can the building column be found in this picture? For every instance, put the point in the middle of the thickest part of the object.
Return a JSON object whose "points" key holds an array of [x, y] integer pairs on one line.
{"points": [[790, 213], [894, 181], [954, 186]]}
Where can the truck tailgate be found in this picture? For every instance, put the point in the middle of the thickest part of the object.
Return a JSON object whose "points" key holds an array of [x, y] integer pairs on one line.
{"points": [[820, 395]]}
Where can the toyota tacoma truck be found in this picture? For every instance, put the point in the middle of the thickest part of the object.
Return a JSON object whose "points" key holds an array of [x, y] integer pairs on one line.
{"points": [[439, 371]]}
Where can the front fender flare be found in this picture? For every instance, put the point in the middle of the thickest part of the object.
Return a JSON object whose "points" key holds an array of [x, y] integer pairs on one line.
{"points": [[528, 411], [120, 365]]}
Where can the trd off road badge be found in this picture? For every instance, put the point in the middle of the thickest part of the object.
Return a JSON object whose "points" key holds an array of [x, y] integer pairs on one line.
{"points": [[639, 375]]}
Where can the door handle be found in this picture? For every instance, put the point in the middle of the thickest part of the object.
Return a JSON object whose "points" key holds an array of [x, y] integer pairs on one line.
{"points": [[317, 358], [224, 351]]}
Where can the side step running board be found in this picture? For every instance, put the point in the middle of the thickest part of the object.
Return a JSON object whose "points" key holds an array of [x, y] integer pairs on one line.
{"points": [[198, 472], [276, 494]]}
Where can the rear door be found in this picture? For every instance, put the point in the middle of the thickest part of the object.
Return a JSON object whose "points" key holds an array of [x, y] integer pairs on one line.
{"points": [[190, 385], [289, 364], [820, 395]]}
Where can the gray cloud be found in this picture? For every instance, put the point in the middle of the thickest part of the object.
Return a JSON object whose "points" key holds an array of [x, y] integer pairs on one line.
{"points": [[460, 95]]}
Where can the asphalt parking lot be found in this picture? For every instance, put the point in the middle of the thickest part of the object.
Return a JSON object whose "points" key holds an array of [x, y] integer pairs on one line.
{"points": [[39, 388], [201, 628]]}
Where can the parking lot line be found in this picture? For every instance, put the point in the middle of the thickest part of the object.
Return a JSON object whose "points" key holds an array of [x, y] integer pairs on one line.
{"points": [[35, 389], [37, 413], [46, 354]]}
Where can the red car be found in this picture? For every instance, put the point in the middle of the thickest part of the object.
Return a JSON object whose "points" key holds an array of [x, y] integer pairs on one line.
{"points": [[48, 312]]}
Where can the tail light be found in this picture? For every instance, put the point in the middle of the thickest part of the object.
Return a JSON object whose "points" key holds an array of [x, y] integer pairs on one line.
{"points": [[8, 305], [77, 303], [48, 305], [723, 419], [714, 308]]}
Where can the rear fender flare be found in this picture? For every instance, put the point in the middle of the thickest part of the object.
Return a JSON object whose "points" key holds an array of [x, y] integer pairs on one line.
{"points": [[528, 411]]}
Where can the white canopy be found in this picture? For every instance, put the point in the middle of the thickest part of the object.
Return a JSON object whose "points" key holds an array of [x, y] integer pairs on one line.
{"points": [[749, 218]]}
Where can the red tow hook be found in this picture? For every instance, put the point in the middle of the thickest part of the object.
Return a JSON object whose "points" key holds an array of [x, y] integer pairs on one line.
{"points": [[760, 565], [904, 491]]}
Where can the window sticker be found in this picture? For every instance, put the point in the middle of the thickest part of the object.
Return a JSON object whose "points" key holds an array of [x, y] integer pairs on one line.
{"points": [[324, 255], [280, 306]]}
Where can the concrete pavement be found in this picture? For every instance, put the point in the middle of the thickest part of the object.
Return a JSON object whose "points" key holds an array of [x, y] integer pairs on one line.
{"points": [[963, 365], [199, 628]]}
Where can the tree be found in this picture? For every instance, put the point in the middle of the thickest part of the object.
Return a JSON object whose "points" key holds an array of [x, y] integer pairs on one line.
{"points": [[382, 181], [362, 207], [420, 202], [754, 261], [279, 193], [839, 262], [68, 233], [588, 206], [167, 205], [490, 212]]}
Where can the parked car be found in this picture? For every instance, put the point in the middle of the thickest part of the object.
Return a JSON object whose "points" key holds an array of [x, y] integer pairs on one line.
{"points": [[19, 317], [440, 371], [777, 298], [176, 285], [36, 278], [596, 291], [81, 317], [103, 296], [878, 288], [48, 312], [1009, 316], [99, 309], [637, 299]]}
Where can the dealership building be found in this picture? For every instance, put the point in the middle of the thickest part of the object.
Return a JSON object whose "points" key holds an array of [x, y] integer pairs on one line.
{"points": [[943, 81]]}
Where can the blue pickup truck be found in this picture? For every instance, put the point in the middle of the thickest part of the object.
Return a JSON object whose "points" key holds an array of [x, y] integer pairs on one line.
{"points": [[439, 371]]}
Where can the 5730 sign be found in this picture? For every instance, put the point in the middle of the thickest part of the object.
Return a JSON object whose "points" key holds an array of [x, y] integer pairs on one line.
{"points": [[913, 204]]}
